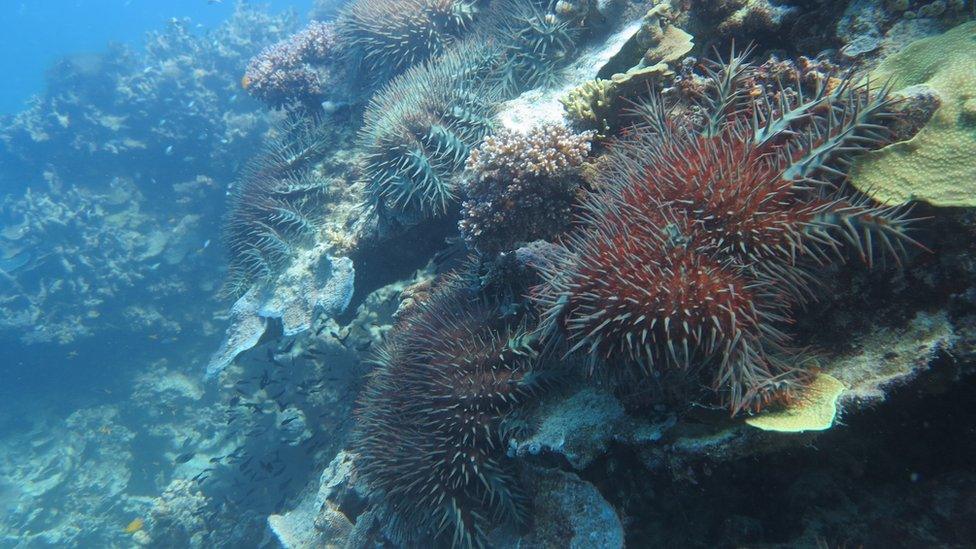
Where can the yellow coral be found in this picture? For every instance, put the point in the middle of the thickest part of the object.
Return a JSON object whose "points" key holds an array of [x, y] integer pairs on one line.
{"points": [[814, 410], [589, 104], [937, 165]]}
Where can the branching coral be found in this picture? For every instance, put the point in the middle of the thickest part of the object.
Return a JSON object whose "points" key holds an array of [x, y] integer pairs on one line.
{"points": [[431, 434], [520, 187], [393, 35], [419, 130], [269, 211], [698, 243], [283, 74]]}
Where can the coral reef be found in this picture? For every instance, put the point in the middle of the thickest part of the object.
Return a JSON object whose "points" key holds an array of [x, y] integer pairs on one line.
{"points": [[625, 290], [72, 255], [393, 35], [432, 420], [660, 45], [698, 242], [869, 27], [314, 284], [177, 516], [285, 73], [521, 187], [168, 114], [936, 164]]}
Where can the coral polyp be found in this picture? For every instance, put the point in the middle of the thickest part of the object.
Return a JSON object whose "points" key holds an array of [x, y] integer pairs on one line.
{"points": [[392, 35], [704, 232], [431, 433]]}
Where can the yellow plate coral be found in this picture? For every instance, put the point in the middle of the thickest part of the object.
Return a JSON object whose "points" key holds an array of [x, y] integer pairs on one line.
{"points": [[937, 165], [813, 410]]}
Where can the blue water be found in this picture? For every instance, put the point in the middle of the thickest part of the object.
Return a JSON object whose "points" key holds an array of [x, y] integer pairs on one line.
{"points": [[36, 32]]}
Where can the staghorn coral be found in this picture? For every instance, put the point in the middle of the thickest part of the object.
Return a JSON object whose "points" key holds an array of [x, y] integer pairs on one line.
{"points": [[698, 243], [520, 187], [393, 35], [431, 432], [270, 210], [419, 130], [284, 73]]}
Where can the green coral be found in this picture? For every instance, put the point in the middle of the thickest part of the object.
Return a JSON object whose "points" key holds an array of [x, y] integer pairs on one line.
{"points": [[937, 165]]}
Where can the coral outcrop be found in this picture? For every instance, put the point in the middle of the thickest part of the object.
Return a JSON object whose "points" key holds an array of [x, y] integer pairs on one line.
{"points": [[521, 187]]}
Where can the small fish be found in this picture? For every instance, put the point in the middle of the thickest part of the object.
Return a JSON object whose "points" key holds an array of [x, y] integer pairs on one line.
{"points": [[183, 458], [289, 420], [217, 459], [169, 150], [134, 526], [206, 243]]}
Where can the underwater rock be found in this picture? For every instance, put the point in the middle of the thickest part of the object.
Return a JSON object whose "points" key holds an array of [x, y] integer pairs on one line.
{"points": [[579, 428], [569, 512], [318, 520], [314, 283]]}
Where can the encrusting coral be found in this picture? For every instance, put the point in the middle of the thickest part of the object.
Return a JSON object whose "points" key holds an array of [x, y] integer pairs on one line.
{"points": [[393, 35], [521, 187], [284, 74], [431, 434], [699, 240]]}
